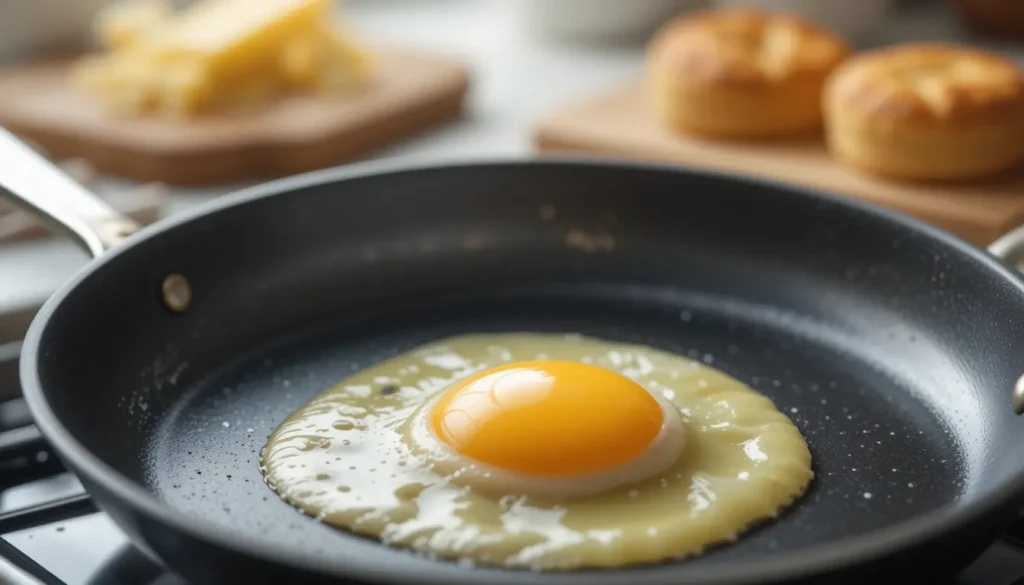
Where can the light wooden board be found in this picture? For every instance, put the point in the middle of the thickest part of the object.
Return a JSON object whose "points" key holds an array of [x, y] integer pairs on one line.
{"points": [[298, 133], [621, 125]]}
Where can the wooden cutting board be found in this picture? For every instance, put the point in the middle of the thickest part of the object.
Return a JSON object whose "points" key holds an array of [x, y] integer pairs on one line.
{"points": [[620, 124], [411, 92]]}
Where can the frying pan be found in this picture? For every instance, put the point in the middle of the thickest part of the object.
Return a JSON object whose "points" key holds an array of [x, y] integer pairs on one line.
{"points": [[158, 371]]}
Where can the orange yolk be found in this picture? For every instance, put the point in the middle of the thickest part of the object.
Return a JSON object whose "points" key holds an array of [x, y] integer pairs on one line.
{"points": [[547, 418]]}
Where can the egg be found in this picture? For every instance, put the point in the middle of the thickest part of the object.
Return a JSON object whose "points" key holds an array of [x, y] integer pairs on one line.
{"points": [[540, 451], [547, 429]]}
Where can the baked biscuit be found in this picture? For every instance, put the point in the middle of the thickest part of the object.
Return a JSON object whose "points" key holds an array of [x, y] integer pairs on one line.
{"points": [[741, 73], [927, 112]]}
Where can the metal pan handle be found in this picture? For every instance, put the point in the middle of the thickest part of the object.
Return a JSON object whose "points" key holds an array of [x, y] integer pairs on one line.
{"points": [[37, 185], [44, 190], [1010, 248]]}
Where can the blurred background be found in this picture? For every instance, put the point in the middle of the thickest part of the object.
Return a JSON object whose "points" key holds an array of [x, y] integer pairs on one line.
{"points": [[458, 79], [524, 59]]}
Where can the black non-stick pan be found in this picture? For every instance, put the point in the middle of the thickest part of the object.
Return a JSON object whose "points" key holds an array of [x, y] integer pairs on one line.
{"points": [[160, 369]]}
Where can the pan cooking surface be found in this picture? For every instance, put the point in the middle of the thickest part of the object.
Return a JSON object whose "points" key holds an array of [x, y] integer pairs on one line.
{"points": [[880, 454]]}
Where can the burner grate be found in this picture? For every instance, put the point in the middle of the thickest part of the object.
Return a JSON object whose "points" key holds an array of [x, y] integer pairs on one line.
{"points": [[25, 457], [16, 568], [47, 513]]}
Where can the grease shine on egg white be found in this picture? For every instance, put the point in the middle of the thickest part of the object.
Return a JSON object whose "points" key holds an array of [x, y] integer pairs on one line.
{"points": [[473, 433]]}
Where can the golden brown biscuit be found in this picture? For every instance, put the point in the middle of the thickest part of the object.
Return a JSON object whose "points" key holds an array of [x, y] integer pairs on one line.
{"points": [[927, 111], [741, 73]]}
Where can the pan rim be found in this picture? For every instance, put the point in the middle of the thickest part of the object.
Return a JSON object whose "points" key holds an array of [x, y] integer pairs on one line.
{"points": [[810, 561]]}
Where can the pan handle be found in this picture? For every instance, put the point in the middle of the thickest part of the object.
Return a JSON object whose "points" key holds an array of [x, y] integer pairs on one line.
{"points": [[1010, 248], [44, 190]]}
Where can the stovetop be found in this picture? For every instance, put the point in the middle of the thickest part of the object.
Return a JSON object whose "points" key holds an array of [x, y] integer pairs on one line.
{"points": [[51, 533]]}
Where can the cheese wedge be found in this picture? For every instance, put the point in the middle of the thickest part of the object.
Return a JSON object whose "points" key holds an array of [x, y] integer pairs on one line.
{"points": [[325, 59], [124, 23], [236, 38], [217, 54]]}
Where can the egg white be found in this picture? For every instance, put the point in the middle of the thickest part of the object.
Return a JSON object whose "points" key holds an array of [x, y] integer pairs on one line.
{"points": [[660, 454], [347, 458]]}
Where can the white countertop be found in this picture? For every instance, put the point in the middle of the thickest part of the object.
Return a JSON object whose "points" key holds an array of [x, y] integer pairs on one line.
{"points": [[516, 78]]}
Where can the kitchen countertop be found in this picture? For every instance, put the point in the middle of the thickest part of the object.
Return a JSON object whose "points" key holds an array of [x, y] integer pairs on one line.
{"points": [[516, 78]]}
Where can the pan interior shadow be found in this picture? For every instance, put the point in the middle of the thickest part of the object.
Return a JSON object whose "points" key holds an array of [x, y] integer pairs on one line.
{"points": [[880, 453]]}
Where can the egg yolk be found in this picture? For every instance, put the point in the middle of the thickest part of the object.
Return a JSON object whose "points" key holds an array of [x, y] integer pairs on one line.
{"points": [[547, 418]]}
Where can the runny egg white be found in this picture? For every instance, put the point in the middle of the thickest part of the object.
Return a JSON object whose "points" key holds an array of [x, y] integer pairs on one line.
{"points": [[540, 451]]}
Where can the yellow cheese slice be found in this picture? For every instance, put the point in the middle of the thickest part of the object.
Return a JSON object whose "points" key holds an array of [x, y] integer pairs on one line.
{"points": [[218, 54], [130, 83], [324, 58], [300, 58], [124, 23], [346, 65], [237, 38]]}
